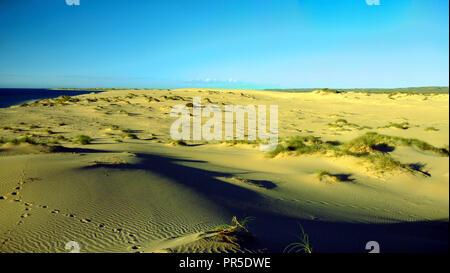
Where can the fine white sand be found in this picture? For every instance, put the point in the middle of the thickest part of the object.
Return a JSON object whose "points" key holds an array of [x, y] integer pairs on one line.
{"points": [[120, 194]]}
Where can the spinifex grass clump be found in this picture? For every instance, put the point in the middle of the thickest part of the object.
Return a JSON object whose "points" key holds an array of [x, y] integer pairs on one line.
{"points": [[83, 139], [369, 141], [131, 136], [371, 146], [19, 140], [177, 142], [403, 125], [63, 99], [235, 234], [301, 145], [429, 129], [302, 246], [344, 124], [323, 175], [243, 141]]}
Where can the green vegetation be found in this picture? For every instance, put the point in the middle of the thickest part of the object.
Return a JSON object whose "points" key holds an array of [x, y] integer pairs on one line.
{"points": [[242, 141], [431, 129], [83, 139], [344, 125], [372, 141], [327, 90], [371, 146], [174, 98], [131, 136], [131, 95], [152, 99], [63, 99], [326, 176], [302, 246], [61, 137], [403, 125], [19, 140], [177, 142], [323, 174]]}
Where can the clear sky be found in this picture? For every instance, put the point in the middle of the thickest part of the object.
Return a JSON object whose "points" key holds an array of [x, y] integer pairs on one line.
{"points": [[224, 43]]}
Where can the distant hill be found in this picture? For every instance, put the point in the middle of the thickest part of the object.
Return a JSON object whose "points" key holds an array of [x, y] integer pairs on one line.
{"points": [[419, 90]]}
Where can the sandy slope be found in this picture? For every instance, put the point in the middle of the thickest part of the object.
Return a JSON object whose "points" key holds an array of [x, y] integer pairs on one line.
{"points": [[144, 195]]}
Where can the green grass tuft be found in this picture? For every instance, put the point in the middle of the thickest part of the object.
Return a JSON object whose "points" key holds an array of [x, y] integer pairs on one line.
{"points": [[371, 146], [25, 139], [302, 246], [83, 139]]}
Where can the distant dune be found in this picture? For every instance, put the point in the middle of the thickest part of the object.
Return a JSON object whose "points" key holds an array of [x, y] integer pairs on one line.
{"points": [[419, 90]]}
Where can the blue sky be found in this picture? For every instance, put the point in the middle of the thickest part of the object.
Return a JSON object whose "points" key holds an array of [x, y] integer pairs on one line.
{"points": [[224, 43]]}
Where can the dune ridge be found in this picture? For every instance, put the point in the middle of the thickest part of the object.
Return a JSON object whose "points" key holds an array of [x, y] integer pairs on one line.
{"points": [[96, 169]]}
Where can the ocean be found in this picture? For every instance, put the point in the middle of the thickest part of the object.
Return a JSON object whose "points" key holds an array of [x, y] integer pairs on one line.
{"points": [[15, 96]]}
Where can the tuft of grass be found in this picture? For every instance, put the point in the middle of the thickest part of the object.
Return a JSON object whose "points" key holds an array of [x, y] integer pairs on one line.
{"points": [[61, 137], [177, 142], [301, 145], [345, 125], [83, 139], [326, 176], [366, 144], [63, 99], [235, 234], [403, 125], [151, 99], [131, 95], [241, 141], [25, 139], [341, 120], [114, 127], [321, 174], [385, 162], [302, 246], [371, 146], [328, 91], [131, 136]]}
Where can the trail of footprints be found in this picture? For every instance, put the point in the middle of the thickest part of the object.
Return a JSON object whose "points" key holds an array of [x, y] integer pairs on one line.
{"points": [[17, 198]]}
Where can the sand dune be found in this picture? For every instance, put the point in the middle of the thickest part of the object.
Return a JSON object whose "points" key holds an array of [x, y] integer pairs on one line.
{"points": [[127, 191]]}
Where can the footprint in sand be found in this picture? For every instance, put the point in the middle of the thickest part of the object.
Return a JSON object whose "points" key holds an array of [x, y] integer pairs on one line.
{"points": [[25, 215]]}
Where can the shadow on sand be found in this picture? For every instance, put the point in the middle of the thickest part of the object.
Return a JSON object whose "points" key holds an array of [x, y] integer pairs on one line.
{"points": [[275, 230]]}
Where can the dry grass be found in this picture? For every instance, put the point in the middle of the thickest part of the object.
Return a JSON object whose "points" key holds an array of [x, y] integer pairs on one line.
{"points": [[235, 234]]}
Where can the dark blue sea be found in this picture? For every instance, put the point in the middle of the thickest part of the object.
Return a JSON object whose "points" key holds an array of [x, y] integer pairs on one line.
{"points": [[15, 96]]}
